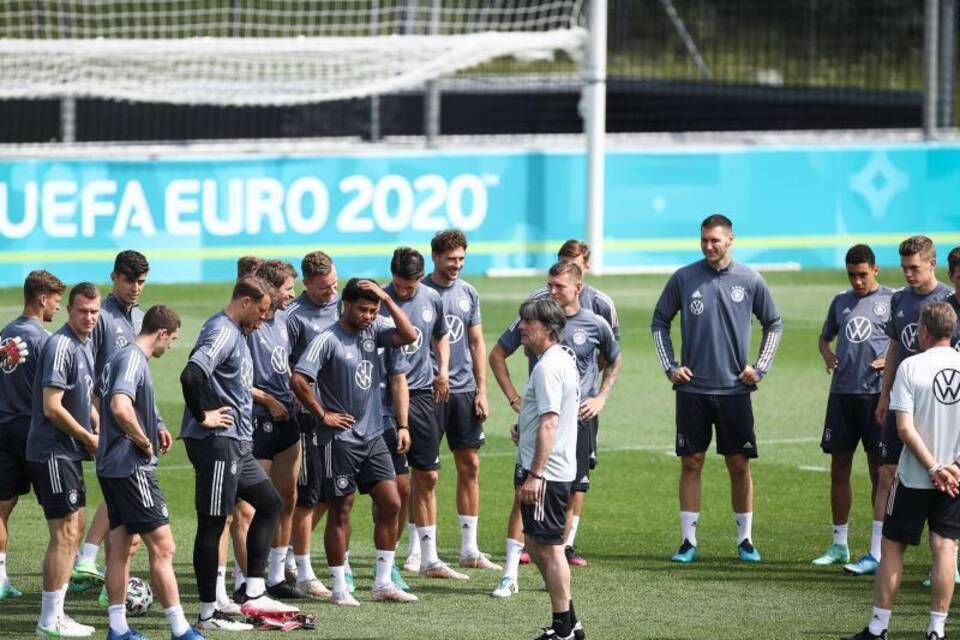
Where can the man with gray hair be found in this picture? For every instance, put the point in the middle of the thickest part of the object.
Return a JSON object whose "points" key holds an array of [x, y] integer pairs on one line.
{"points": [[547, 454], [926, 402]]}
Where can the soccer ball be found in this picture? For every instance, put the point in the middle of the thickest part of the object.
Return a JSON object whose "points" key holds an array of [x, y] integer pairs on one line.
{"points": [[139, 597]]}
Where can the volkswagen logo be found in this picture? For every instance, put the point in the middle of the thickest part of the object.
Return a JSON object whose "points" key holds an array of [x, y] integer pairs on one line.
{"points": [[908, 337], [946, 386], [858, 329], [364, 374], [455, 327], [278, 359], [696, 307], [414, 346]]}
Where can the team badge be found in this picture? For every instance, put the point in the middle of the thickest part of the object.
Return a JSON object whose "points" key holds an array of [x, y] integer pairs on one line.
{"points": [[464, 304], [858, 329], [680, 441], [455, 328], [72, 496], [87, 380], [267, 426], [579, 337], [233, 468], [364, 374], [908, 337], [164, 511], [881, 308], [315, 440], [696, 307], [413, 347], [826, 434], [946, 386], [737, 293], [121, 341], [369, 345], [427, 314], [342, 482], [278, 359]]}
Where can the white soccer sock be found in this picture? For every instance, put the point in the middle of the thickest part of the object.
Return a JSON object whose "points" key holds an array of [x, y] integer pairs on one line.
{"points": [[512, 566], [48, 608], [879, 621], [574, 524], [468, 536], [61, 599], [222, 595], [3, 569], [118, 618], [876, 538], [346, 561], [207, 609], [178, 621], [413, 541], [744, 526], [276, 565], [291, 560], [688, 526], [88, 552], [428, 545], [256, 587], [238, 577], [840, 534], [384, 568], [339, 578], [304, 568], [937, 621]]}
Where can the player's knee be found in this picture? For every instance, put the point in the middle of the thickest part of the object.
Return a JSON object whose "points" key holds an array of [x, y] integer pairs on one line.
{"points": [[468, 465], [692, 463], [738, 466], [163, 550], [426, 481], [134, 545]]}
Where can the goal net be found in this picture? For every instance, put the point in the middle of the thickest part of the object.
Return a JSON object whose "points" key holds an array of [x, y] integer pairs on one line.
{"points": [[266, 52]]}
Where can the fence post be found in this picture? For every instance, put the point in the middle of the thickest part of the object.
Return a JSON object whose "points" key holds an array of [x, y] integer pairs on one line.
{"points": [[931, 33], [948, 58]]}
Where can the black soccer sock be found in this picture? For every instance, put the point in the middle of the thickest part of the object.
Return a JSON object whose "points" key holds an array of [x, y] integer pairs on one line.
{"points": [[206, 550], [263, 497], [562, 623], [573, 615]]}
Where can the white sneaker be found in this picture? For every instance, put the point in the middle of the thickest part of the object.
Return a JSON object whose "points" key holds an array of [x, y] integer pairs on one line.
{"points": [[343, 599], [441, 569], [68, 620], [64, 628], [480, 561], [220, 621], [256, 607], [229, 607], [412, 563], [314, 589], [391, 593], [506, 587]]}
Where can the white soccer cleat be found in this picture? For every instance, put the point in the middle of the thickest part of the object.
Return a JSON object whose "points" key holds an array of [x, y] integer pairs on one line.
{"points": [[506, 587], [314, 589], [343, 599], [481, 561], [264, 604], [412, 563], [391, 593], [220, 621], [65, 627], [228, 607], [442, 570]]}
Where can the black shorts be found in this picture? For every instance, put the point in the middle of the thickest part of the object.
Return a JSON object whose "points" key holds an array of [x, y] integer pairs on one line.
{"points": [[586, 452], [358, 466], [594, 441], [59, 486], [14, 469], [225, 468], [909, 509], [135, 502], [425, 432], [849, 421], [400, 466], [271, 437], [545, 521], [698, 413], [459, 422], [315, 463], [890, 444]]}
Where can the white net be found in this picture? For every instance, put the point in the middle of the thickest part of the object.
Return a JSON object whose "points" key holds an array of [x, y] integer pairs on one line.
{"points": [[266, 52]]}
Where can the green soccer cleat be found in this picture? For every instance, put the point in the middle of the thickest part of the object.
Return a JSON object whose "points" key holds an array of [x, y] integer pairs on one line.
{"points": [[686, 554], [956, 580], [348, 577], [865, 566], [88, 570], [103, 601], [836, 554], [747, 552], [7, 590], [398, 580]]}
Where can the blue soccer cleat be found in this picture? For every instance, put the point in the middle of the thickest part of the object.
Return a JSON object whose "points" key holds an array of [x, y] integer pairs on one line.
{"points": [[747, 552], [836, 554], [7, 590], [348, 577], [189, 634], [686, 554], [131, 634], [398, 580], [865, 566]]}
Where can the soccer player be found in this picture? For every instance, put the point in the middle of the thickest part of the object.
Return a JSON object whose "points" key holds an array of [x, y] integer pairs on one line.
{"points": [[126, 469], [924, 403], [547, 456], [918, 260], [589, 339], [428, 383], [314, 311], [714, 378], [217, 429], [462, 414], [856, 319], [343, 363], [63, 432], [953, 271], [42, 292]]}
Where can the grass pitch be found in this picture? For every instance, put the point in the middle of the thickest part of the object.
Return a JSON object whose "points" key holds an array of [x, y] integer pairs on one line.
{"points": [[630, 525]]}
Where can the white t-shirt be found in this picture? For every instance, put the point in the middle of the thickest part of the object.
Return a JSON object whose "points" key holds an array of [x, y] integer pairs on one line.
{"points": [[553, 387], [928, 386]]}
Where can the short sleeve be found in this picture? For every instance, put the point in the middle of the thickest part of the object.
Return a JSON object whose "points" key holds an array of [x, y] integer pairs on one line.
{"points": [[315, 356], [609, 347], [439, 320], [901, 396], [396, 361], [127, 375], [58, 362], [384, 328], [475, 308], [830, 328], [888, 327], [509, 340], [548, 385], [212, 348]]}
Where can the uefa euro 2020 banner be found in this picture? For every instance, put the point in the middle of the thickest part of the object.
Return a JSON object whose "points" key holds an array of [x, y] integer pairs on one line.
{"points": [[193, 217]]}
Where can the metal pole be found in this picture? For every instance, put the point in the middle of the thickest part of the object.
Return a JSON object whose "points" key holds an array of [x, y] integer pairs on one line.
{"points": [[375, 133], [686, 38], [931, 32], [431, 97], [595, 91], [948, 59]]}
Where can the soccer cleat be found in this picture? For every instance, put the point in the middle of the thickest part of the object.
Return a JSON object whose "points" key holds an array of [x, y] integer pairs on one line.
{"points": [[284, 591], [865, 566], [506, 587], [578, 632], [441, 569], [836, 554], [264, 604], [7, 590], [398, 580], [348, 577], [70, 621], [391, 593], [80, 586], [747, 552], [240, 594], [412, 563], [479, 561], [343, 599], [189, 634], [220, 621], [64, 628], [933, 635], [228, 607], [573, 559], [313, 589], [88, 570], [131, 634], [550, 634], [866, 635], [103, 600], [686, 554], [524, 556], [956, 580]]}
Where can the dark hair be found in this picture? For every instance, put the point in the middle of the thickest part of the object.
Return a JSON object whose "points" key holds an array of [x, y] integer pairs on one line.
{"points": [[953, 259], [248, 265], [563, 268], [859, 254], [158, 317], [921, 245], [353, 293], [448, 240], [572, 249], [275, 272], [548, 312], [316, 263], [717, 220], [939, 319], [131, 264], [40, 282], [85, 289], [407, 263], [250, 287]]}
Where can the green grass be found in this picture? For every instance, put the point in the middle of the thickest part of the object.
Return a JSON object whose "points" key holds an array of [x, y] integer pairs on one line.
{"points": [[630, 526]]}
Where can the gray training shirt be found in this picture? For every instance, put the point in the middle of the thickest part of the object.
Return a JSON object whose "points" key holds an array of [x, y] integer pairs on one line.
{"points": [[126, 373], [425, 310], [461, 306], [65, 363], [269, 348], [16, 380], [905, 308], [116, 328], [347, 371], [305, 321], [394, 362], [715, 325], [222, 352], [859, 325]]}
